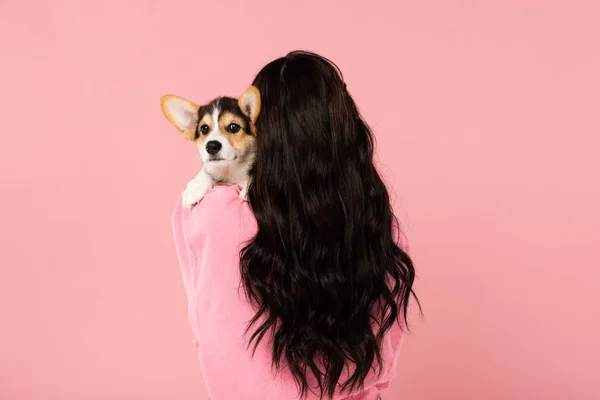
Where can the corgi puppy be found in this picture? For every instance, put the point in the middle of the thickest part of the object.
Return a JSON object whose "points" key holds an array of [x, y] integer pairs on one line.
{"points": [[224, 132]]}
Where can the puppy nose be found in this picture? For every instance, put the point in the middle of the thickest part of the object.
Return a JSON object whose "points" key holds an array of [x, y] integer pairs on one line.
{"points": [[213, 147]]}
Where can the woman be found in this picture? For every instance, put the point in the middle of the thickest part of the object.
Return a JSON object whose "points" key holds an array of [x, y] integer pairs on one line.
{"points": [[301, 292]]}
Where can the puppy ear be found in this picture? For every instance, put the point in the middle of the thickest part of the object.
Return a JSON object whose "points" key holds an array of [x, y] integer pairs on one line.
{"points": [[249, 103], [182, 113]]}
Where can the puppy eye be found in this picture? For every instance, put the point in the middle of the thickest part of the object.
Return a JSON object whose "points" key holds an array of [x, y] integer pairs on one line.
{"points": [[204, 129], [234, 128]]}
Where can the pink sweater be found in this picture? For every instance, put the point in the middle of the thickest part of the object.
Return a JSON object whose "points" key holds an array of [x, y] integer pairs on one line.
{"points": [[208, 239]]}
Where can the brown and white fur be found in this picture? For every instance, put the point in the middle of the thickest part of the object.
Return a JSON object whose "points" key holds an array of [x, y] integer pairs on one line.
{"points": [[225, 134]]}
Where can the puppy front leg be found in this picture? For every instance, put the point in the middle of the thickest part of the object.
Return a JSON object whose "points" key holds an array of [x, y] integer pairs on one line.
{"points": [[197, 188], [244, 192]]}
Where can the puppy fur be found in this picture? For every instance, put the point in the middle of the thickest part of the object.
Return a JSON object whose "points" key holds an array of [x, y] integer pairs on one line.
{"points": [[224, 132]]}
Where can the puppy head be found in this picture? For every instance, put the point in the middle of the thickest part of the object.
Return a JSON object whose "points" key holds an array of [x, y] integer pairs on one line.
{"points": [[224, 129]]}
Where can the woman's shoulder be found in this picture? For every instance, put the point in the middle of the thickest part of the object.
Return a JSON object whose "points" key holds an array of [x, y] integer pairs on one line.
{"points": [[221, 201], [223, 195], [220, 211]]}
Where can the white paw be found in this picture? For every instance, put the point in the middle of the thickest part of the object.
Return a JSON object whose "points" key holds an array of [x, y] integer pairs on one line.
{"points": [[244, 193], [195, 191]]}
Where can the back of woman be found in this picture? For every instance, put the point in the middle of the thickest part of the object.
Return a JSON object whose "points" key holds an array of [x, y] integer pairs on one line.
{"points": [[302, 292]]}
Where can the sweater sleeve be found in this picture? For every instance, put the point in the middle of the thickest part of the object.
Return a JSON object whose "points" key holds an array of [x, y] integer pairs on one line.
{"points": [[179, 221], [196, 231]]}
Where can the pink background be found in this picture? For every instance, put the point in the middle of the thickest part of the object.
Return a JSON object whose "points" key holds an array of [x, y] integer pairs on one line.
{"points": [[487, 119]]}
